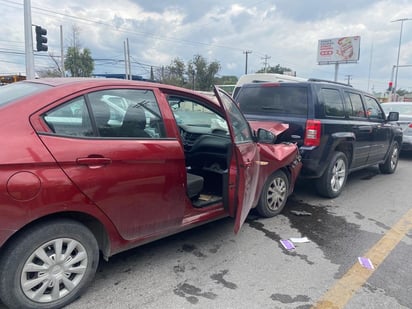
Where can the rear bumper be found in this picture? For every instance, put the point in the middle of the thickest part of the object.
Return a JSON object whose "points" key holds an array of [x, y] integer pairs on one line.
{"points": [[312, 166], [407, 143]]}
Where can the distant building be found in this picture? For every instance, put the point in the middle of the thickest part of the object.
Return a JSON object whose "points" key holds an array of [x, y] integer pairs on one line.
{"points": [[8, 79]]}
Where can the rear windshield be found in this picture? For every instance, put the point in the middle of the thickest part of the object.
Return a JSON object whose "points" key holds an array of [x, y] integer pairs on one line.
{"points": [[15, 91], [280, 100]]}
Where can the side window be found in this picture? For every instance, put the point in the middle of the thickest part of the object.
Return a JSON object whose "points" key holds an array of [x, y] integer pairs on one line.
{"points": [[70, 119], [126, 113], [191, 113], [355, 106], [373, 109], [333, 103], [241, 129]]}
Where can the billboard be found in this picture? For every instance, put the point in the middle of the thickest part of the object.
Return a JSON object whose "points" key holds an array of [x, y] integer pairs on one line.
{"points": [[339, 50]]}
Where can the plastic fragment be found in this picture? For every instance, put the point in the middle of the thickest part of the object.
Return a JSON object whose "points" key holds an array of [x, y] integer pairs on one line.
{"points": [[300, 213], [287, 244], [299, 240], [365, 262]]}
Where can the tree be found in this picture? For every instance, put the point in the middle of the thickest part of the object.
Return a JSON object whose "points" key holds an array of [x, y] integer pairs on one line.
{"points": [[201, 73], [52, 72], [78, 61], [226, 80], [174, 74], [276, 69], [198, 74]]}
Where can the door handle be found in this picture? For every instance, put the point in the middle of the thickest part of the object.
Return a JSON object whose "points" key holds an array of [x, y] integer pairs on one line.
{"points": [[94, 162], [363, 128], [247, 164]]}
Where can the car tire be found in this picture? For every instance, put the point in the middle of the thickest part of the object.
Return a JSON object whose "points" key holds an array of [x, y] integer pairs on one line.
{"points": [[274, 195], [391, 162], [334, 178], [64, 252]]}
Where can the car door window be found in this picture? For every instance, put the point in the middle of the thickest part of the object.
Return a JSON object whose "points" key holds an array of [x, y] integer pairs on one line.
{"points": [[373, 109], [333, 102], [241, 130], [127, 113], [70, 119], [355, 106]]}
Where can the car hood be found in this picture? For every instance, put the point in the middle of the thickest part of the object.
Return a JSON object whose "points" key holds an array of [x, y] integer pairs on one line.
{"points": [[272, 126]]}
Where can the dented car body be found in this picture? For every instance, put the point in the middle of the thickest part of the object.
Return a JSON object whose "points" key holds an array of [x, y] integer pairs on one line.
{"points": [[82, 175]]}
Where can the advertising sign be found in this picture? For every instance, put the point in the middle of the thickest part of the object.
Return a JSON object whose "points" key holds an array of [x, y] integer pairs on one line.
{"points": [[339, 50]]}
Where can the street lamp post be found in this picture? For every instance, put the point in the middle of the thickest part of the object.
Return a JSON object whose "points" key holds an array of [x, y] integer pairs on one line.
{"points": [[395, 85]]}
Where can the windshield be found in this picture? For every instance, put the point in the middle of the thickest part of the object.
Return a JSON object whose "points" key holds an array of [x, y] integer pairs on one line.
{"points": [[19, 90]]}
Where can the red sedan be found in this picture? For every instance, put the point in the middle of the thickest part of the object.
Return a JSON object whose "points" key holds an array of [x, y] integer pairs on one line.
{"points": [[93, 166]]}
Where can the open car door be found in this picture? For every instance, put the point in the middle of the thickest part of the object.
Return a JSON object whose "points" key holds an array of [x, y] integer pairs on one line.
{"points": [[244, 170]]}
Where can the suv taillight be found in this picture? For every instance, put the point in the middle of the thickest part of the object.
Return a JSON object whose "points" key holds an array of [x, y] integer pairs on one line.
{"points": [[313, 132]]}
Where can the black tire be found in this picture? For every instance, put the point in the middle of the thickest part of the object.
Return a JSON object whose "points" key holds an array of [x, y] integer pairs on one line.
{"points": [[391, 162], [63, 252], [274, 195], [334, 178]]}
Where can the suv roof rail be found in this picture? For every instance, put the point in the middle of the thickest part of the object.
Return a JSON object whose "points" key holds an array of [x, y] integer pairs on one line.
{"points": [[328, 81]]}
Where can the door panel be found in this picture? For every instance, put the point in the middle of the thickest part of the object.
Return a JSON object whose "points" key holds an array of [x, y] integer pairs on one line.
{"points": [[246, 158], [381, 132], [138, 184], [361, 128]]}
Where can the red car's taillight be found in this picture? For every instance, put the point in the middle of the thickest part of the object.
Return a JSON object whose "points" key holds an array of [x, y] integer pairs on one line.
{"points": [[313, 132]]}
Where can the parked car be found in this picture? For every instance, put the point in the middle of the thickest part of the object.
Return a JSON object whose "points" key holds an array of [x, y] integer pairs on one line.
{"points": [[338, 129], [81, 174], [264, 77], [405, 120]]}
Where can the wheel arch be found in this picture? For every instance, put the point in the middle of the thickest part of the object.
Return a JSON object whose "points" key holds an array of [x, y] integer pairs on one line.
{"points": [[94, 225], [346, 148]]}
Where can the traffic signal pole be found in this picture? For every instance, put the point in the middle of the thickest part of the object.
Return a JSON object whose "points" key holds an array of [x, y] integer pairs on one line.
{"points": [[28, 41]]}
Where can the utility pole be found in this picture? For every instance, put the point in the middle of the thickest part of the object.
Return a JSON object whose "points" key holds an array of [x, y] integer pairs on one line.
{"points": [[62, 51], [266, 58], [28, 40], [128, 68], [246, 52], [395, 86], [349, 77]]}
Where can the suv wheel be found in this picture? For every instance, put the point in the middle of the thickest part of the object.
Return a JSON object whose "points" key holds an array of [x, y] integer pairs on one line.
{"points": [[334, 178], [48, 265], [274, 195], [389, 166]]}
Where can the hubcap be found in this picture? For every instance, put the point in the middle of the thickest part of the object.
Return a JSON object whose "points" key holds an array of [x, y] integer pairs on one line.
{"points": [[276, 193], [394, 157], [338, 175], [54, 270]]}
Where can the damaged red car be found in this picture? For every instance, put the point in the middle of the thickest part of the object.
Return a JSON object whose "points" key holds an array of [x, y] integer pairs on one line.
{"points": [[98, 166]]}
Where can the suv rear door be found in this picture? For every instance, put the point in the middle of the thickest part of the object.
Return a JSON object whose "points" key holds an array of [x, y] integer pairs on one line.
{"points": [[361, 128], [381, 132]]}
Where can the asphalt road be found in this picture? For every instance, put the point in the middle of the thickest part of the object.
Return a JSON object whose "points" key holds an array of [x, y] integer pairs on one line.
{"points": [[210, 267]]}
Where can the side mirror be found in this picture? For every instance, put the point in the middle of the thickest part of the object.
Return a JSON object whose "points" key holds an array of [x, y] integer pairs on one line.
{"points": [[393, 116], [265, 136]]}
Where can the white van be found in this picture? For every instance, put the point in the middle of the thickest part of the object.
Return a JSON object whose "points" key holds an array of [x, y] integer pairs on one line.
{"points": [[265, 77]]}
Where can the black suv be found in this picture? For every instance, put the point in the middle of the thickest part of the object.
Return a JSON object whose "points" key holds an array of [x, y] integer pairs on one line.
{"points": [[338, 129]]}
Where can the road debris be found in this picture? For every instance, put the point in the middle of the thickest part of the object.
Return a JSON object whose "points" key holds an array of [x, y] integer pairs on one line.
{"points": [[287, 244], [296, 240], [300, 213], [365, 262]]}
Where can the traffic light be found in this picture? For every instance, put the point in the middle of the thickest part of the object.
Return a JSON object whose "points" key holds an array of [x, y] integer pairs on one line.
{"points": [[41, 39], [390, 86]]}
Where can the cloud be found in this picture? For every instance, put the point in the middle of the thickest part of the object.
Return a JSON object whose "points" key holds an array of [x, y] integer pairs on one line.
{"points": [[284, 32]]}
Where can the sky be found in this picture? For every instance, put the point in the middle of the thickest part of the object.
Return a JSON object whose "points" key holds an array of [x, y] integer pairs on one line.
{"points": [[284, 32]]}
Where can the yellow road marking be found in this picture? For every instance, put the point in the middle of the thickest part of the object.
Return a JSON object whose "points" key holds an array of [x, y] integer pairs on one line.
{"points": [[342, 291]]}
